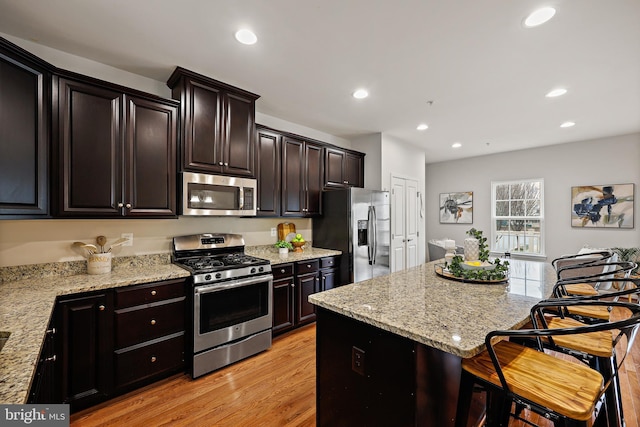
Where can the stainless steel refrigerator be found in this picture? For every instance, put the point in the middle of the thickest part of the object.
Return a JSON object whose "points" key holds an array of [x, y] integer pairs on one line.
{"points": [[357, 222]]}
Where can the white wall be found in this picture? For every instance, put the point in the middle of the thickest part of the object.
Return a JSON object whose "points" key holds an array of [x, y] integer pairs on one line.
{"points": [[613, 160]]}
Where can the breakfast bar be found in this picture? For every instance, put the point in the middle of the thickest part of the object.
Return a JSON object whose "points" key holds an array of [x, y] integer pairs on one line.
{"points": [[389, 349]]}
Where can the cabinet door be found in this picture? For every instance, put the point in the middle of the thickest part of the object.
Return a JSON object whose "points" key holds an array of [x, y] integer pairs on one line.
{"points": [[293, 176], [305, 286], [268, 172], [333, 168], [283, 305], [314, 179], [328, 279], [202, 133], [239, 135], [84, 349], [354, 170], [150, 158], [24, 133], [89, 144]]}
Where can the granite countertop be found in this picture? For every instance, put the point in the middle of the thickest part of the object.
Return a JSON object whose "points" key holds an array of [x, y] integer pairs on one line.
{"points": [[448, 315], [28, 294], [271, 253], [26, 306]]}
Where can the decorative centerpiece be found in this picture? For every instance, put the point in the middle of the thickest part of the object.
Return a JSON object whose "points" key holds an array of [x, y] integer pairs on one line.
{"points": [[298, 242], [479, 270]]}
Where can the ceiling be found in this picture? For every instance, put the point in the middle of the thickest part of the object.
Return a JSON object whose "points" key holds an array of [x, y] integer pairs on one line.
{"points": [[467, 68]]}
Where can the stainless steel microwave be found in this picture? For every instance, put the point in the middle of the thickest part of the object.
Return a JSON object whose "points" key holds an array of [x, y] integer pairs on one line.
{"points": [[216, 195]]}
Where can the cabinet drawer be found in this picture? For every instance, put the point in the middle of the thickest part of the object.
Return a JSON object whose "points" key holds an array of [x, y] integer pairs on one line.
{"points": [[282, 270], [134, 326], [328, 262], [149, 360], [149, 293], [304, 267]]}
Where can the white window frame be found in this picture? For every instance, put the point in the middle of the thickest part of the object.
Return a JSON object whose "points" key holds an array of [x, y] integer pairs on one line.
{"points": [[494, 219]]}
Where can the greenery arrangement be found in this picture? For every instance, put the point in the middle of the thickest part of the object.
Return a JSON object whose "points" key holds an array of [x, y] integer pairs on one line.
{"points": [[498, 272], [629, 254], [284, 244]]}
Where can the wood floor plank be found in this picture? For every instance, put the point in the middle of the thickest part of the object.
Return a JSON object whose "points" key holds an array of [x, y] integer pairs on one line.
{"points": [[275, 388]]}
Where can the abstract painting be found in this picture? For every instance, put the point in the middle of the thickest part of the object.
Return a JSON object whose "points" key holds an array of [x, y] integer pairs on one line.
{"points": [[456, 208], [602, 206]]}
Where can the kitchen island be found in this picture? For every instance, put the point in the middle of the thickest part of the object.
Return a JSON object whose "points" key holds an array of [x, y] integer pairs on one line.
{"points": [[389, 349]]}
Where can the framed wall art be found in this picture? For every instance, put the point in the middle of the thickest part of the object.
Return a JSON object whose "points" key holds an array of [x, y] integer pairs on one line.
{"points": [[602, 206], [456, 208]]}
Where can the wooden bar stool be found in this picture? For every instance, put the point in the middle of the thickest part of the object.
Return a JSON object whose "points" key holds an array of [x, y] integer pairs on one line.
{"points": [[570, 266], [565, 392], [596, 349]]}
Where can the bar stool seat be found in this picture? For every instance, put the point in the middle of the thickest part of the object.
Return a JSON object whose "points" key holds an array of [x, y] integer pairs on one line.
{"points": [[599, 344], [570, 389], [582, 289]]}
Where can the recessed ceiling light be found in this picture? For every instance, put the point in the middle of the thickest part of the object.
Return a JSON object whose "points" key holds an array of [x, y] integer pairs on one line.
{"points": [[556, 92], [539, 17], [423, 126], [567, 124], [456, 145], [360, 94], [245, 36]]}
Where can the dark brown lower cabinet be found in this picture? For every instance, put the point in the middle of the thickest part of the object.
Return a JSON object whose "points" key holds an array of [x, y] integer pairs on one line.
{"points": [[102, 344], [83, 348], [292, 285]]}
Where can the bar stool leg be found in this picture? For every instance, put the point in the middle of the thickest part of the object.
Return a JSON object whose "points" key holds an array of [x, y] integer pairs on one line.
{"points": [[465, 395]]}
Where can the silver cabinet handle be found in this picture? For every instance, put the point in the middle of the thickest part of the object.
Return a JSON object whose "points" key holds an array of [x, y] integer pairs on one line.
{"points": [[219, 163], [128, 205], [153, 292], [50, 359], [226, 164], [153, 321], [282, 270], [293, 286], [101, 307], [153, 359], [120, 204]]}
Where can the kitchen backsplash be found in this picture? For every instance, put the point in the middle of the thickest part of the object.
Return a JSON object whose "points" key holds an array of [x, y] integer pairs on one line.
{"points": [[24, 242]]}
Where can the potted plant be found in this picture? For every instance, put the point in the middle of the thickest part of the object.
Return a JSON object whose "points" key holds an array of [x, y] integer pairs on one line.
{"points": [[283, 247]]}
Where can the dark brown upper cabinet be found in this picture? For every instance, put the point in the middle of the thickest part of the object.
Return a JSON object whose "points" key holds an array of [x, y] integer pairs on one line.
{"points": [[268, 172], [24, 132], [302, 177], [115, 150], [343, 168], [218, 125]]}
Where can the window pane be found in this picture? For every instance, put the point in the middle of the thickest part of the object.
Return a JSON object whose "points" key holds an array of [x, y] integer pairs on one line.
{"points": [[502, 192], [502, 225], [517, 191], [502, 208], [532, 190], [517, 208], [516, 225], [533, 208]]}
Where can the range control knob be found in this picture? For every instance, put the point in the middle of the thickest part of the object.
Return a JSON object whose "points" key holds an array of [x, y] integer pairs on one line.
{"points": [[253, 270], [218, 275], [207, 277], [260, 269]]}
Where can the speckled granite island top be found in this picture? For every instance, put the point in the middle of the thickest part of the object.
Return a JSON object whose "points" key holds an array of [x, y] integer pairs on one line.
{"points": [[448, 315], [26, 306]]}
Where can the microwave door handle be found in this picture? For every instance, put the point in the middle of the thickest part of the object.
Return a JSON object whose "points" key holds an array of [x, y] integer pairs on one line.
{"points": [[241, 199]]}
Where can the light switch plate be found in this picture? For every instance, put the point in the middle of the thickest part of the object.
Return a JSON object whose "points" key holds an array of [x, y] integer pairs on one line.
{"points": [[129, 237]]}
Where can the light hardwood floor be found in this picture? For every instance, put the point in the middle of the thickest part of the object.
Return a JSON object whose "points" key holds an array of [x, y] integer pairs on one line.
{"points": [[274, 388]]}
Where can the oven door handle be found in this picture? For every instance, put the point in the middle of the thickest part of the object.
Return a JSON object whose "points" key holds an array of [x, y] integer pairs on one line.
{"points": [[207, 289]]}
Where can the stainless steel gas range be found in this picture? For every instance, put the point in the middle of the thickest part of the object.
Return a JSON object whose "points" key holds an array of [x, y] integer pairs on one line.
{"points": [[231, 299]]}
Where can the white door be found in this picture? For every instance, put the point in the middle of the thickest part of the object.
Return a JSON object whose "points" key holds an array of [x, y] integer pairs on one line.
{"points": [[404, 228]]}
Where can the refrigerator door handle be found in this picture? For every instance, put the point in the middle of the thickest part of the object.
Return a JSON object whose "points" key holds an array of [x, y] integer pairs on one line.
{"points": [[373, 233], [370, 237]]}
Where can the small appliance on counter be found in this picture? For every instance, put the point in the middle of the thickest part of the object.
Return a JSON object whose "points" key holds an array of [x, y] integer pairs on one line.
{"points": [[232, 299]]}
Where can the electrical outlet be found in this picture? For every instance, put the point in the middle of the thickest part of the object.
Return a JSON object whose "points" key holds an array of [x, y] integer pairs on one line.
{"points": [[273, 232], [357, 360], [129, 237]]}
